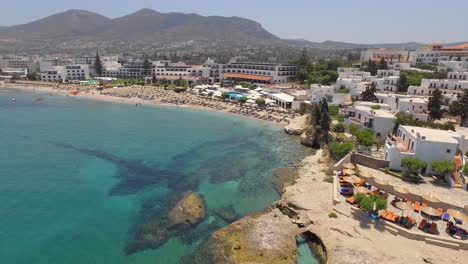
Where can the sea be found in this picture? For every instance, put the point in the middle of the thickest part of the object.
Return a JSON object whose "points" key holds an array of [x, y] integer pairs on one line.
{"points": [[78, 177]]}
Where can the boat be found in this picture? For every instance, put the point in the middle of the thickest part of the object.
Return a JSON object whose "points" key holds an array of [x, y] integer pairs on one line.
{"points": [[39, 99], [13, 99]]}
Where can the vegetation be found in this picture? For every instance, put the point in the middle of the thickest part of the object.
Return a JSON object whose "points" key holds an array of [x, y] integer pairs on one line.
{"points": [[341, 149], [368, 95], [465, 169], [340, 118], [339, 128], [333, 110], [434, 105], [371, 203], [372, 66], [325, 119], [250, 86], [243, 100], [460, 107], [225, 95], [412, 165], [98, 65], [332, 215], [406, 119], [181, 83], [260, 102], [442, 167], [128, 82], [412, 78], [343, 91], [146, 66], [365, 137], [425, 66], [375, 107]]}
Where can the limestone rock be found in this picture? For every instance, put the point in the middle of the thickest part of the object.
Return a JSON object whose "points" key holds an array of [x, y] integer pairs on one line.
{"points": [[265, 238], [187, 212]]}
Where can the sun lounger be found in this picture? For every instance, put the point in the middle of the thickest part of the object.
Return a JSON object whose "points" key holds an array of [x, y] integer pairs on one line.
{"points": [[433, 229], [351, 200], [446, 217], [459, 221], [417, 207], [423, 224]]}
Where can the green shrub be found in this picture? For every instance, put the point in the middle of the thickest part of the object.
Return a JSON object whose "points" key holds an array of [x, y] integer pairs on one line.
{"points": [[243, 100], [465, 169], [339, 128], [375, 107], [365, 138], [260, 102], [340, 118], [332, 215], [333, 110], [341, 149], [412, 165], [442, 167], [225, 95], [359, 197]]}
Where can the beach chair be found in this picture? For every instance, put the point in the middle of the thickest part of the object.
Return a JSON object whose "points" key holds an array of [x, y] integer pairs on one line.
{"points": [[446, 217], [417, 207], [351, 200], [422, 225], [459, 221], [433, 229], [346, 191], [412, 221]]}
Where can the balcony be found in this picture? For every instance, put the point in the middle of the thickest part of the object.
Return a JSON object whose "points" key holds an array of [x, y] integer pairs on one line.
{"points": [[398, 142]]}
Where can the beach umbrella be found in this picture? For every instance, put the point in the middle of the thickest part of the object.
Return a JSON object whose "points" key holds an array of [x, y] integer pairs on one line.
{"points": [[430, 198], [381, 181], [404, 206], [361, 189], [431, 211], [400, 189], [349, 166], [348, 172], [365, 175], [457, 214], [352, 179]]}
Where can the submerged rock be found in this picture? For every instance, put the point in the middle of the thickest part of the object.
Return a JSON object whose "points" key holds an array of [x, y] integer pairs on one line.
{"points": [[265, 238], [284, 177], [187, 212], [228, 213]]}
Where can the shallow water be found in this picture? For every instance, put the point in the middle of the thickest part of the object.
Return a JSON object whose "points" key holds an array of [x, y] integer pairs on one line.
{"points": [[304, 254], [77, 176]]}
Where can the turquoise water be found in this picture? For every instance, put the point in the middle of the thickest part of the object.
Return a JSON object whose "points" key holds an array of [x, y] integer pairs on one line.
{"points": [[304, 254], [77, 177]]}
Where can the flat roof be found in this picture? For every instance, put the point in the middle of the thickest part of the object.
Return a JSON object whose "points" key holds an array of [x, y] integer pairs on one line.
{"points": [[377, 113], [414, 100], [283, 97], [435, 135]]}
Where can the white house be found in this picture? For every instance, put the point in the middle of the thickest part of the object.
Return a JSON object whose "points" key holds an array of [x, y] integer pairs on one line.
{"points": [[417, 107], [379, 120], [422, 143], [446, 86], [388, 73], [431, 54]]}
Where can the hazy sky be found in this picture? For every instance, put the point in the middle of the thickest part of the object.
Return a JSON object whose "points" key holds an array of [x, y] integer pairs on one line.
{"points": [[359, 21]]}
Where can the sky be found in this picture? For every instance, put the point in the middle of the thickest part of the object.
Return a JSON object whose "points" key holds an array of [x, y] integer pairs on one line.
{"points": [[357, 21]]}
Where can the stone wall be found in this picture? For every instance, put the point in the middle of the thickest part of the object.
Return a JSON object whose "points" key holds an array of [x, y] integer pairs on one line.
{"points": [[369, 161]]}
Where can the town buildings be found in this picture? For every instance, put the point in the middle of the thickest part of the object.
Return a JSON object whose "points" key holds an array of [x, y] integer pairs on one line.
{"points": [[432, 54], [390, 55], [66, 73]]}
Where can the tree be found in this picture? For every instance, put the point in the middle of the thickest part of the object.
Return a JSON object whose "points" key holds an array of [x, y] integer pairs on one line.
{"points": [[442, 167], [225, 95], [368, 95], [434, 105], [243, 100], [324, 118], [441, 74], [412, 165], [146, 66], [181, 83], [98, 65], [403, 83], [383, 64], [154, 80], [365, 138], [339, 128], [372, 67], [304, 65], [460, 107], [341, 149], [373, 203], [260, 102]]}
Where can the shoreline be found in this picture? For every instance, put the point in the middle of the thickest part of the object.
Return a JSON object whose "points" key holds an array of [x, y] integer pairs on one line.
{"points": [[95, 95]]}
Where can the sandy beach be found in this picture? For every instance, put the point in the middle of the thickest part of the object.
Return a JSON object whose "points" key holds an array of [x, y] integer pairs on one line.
{"points": [[150, 96]]}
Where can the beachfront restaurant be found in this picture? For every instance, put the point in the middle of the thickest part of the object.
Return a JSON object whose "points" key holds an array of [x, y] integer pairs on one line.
{"points": [[282, 99]]}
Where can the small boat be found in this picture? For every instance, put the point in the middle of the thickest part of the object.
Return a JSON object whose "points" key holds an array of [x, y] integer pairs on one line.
{"points": [[13, 99], [39, 99]]}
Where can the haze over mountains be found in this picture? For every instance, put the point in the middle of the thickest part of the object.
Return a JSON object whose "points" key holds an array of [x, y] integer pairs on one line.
{"points": [[79, 29]]}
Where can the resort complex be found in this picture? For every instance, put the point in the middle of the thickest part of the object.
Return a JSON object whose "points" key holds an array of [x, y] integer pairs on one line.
{"points": [[183, 138]]}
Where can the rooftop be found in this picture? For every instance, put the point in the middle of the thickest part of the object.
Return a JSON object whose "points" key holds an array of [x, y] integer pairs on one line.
{"points": [[433, 134], [283, 97], [248, 76]]}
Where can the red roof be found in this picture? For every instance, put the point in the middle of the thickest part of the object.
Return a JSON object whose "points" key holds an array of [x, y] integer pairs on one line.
{"points": [[248, 76]]}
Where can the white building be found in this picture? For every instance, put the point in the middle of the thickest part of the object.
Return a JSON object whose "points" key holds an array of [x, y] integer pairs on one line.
{"points": [[446, 86], [258, 72], [417, 107], [317, 92], [422, 143], [15, 72], [66, 73], [390, 55], [431, 54], [400, 66], [379, 120], [388, 73]]}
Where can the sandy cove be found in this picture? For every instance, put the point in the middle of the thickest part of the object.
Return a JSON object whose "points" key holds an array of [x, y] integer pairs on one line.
{"points": [[151, 96]]}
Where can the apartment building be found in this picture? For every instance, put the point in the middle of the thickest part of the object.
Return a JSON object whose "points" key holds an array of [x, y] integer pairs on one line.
{"points": [[390, 55], [379, 120], [258, 72], [66, 73], [446, 86], [431, 54]]}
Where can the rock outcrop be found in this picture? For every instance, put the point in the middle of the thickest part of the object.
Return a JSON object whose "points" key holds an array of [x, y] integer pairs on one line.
{"points": [[296, 126], [187, 212], [268, 237]]}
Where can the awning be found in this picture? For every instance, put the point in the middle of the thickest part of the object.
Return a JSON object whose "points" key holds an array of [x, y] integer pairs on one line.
{"points": [[248, 77]]}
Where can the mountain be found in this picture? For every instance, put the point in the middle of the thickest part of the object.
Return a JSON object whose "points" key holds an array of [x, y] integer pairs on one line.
{"points": [[145, 25], [64, 25]]}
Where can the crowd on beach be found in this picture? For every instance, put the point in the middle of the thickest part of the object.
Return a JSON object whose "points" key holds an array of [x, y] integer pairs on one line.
{"points": [[151, 94]]}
